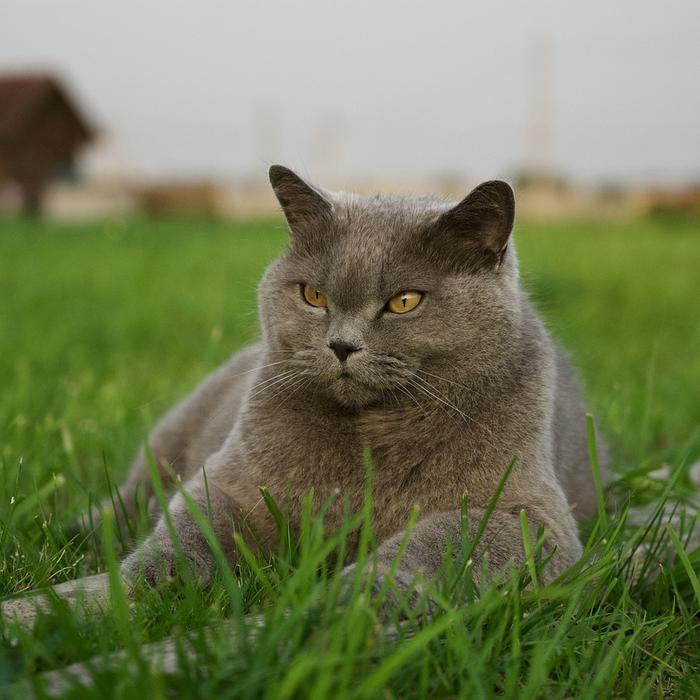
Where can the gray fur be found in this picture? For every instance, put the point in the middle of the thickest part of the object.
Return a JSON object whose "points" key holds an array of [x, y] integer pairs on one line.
{"points": [[445, 396]]}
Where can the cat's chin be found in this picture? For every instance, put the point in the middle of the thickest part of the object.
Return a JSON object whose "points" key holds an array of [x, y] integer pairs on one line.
{"points": [[352, 394]]}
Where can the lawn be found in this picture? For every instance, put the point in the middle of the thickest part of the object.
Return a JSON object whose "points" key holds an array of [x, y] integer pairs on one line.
{"points": [[103, 327]]}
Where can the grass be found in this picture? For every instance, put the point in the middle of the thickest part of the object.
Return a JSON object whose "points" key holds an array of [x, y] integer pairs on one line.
{"points": [[103, 327]]}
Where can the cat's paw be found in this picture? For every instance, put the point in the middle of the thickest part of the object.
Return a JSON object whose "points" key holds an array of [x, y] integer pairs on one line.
{"points": [[157, 561], [395, 592], [89, 522]]}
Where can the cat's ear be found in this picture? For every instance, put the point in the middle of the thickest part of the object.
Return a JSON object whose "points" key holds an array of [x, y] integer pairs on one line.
{"points": [[474, 233], [303, 205]]}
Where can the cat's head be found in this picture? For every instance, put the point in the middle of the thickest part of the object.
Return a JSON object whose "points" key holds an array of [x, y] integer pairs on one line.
{"points": [[376, 294]]}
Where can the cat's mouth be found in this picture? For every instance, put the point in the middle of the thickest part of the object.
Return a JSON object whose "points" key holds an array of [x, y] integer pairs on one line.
{"points": [[361, 381]]}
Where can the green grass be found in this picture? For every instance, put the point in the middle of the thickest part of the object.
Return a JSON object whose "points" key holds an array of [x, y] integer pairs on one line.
{"points": [[103, 327]]}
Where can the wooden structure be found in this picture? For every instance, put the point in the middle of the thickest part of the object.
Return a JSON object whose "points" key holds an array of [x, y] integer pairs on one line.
{"points": [[41, 132]]}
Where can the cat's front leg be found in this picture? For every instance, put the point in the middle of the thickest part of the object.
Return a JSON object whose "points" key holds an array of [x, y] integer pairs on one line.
{"points": [[156, 558], [501, 542]]}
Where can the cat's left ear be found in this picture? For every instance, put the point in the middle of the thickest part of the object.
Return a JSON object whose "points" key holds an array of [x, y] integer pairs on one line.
{"points": [[474, 233]]}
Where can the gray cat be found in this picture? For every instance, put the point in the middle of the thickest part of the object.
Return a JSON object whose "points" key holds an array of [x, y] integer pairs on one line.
{"points": [[398, 324]]}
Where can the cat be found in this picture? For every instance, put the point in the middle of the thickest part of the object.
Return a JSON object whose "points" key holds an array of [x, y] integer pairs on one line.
{"points": [[396, 324]]}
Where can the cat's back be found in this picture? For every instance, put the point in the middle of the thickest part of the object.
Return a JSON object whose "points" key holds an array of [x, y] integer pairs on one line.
{"points": [[571, 455], [548, 365], [217, 402]]}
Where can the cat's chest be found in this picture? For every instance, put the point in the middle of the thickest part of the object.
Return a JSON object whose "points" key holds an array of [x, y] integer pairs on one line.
{"points": [[411, 459], [327, 452]]}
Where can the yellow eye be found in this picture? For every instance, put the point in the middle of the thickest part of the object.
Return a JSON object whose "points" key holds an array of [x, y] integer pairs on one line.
{"points": [[314, 297], [404, 302]]}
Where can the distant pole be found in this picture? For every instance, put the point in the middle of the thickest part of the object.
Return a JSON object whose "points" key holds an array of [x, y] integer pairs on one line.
{"points": [[32, 192], [328, 145], [267, 126], [540, 119]]}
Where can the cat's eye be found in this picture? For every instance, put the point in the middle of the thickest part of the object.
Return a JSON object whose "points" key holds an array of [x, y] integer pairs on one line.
{"points": [[404, 302], [314, 297]]}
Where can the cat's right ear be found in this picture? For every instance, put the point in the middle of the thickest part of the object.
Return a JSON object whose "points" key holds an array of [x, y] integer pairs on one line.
{"points": [[474, 233], [304, 206]]}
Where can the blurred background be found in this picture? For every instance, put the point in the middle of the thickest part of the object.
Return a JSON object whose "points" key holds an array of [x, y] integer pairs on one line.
{"points": [[136, 221], [136, 217], [171, 108]]}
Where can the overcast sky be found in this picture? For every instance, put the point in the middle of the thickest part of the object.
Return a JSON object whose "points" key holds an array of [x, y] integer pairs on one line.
{"points": [[377, 88]]}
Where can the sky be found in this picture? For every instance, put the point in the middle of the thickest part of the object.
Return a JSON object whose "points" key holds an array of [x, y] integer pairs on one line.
{"points": [[376, 89]]}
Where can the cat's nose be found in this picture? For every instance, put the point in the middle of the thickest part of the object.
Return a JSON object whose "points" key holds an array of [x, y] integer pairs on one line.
{"points": [[342, 349]]}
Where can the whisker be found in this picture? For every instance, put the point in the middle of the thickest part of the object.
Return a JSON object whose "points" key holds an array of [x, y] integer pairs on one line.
{"points": [[256, 368], [412, 397], [450, 381], [214, 416], [292, 382], [441, 404], [394, 397], [300, 385], [436, 396], [233, 376], [281, 377], [273, 381], [274, 376], [439, 396]]}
